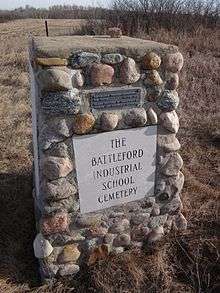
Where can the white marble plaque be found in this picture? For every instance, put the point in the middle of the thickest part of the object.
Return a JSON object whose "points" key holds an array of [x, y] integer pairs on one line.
{"points": [[115, 167]]}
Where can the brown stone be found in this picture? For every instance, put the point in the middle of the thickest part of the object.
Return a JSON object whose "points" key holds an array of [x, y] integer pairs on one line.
{"points": [[55, 224], [101, 74], [172, 82], [97, 231], [173, 62], [153, 78], [151, 61], [70, 253], [98, 253], [51, 61], [83, 123], [115, 32], [55, 167], [130, 73]]}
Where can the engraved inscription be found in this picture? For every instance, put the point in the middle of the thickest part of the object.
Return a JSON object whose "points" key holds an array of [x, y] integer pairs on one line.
{"points": [[116, 99]]}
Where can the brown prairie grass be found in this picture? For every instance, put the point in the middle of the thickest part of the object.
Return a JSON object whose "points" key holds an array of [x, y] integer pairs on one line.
{"points": [[183, 262]]}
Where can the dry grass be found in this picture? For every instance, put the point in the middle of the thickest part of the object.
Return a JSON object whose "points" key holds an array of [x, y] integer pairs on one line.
{"points": [[185, 262]]}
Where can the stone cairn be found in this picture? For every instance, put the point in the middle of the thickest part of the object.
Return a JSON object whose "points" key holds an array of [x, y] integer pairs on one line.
{"points": [[63, 70]]}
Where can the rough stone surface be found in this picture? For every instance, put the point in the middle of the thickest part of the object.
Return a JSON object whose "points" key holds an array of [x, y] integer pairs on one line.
{"points": [[70, 253], [77, 78], [57, 150], [112, 59], [172, 81], [153, 78], [83, 123], [51, 61], [68, 269], [180, 222], [152, 115], [155, 235], [122, 240], [151, 61], [83, 59], [101, 74], [172, 207], [42, 247], [115, 32], [173, 164], [48, 270], [167, 140], [55, 224], [120, 226], [173, 62], [96, 231], [54, 80], [153, 92], [58, 189], [157, 221], [55, 167], [170, 121], [129, 71], [136, 117], [85, 221], [108, 121], [156, 210], [140, 218], [168, 101], [67, 103], [117, 250], [59, 127], [109, 238]]}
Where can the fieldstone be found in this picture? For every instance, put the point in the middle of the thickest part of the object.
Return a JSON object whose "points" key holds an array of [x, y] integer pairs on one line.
{"points": [[122, 240], [68, 269], [109, 238], [108, 121], [168, 101], [47, 270], [153, 78], [173, 164], [167, 140], [59, 149], [173, 62], [70, 253], [101, 74], [117, 250], [139, 232], [42, 247], [55, 167], [91, 244], [63, 239], [155, 235], [61, 103], [58, 126], [153, 92], [119, 226], [140, 218], [112, 59], [69, 204], [136, 117], [157, 221], [51, 61], [169, 223], [180, 222], [83, 123], [83, 59], [149, 201], [77, 78], [129, 71], [54, 80], [151, 61], [117, 215], [172, 207], [170, 121], [96, 231], [58, 189], [152, 115], [156, 210], [115, 32], [172, 81], [86, 221], [100, 252], [57, 223]]}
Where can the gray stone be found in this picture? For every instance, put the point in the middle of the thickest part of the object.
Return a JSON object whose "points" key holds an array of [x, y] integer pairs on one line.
{"points": [[152, 115], [122, 240], [153, 92], [97, 231], [63, 239], [150, 201], [90, 244], [120, 226], [48, 270], [180, 222], [172, 207], [58, 189], [157, 221], [69, 204], [153, 78], [168, 101], [156, 210], [170, 121], [108, 121], [172, 82], [58, 126], [167, 141], [173, 62], [54, 80], [109, 238], [117, 250], [68, 269], [58, 150], [173, 164], [136, 117], [55, 167], [155, 235], [83, 59], [140, 218], [129, 71], [77, 78], [42, 247], [86, 221], [113, 58], [65, 103]]}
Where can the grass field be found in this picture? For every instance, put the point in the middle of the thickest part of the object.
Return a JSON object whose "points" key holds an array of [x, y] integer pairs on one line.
{"points": [[186, 262]]}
